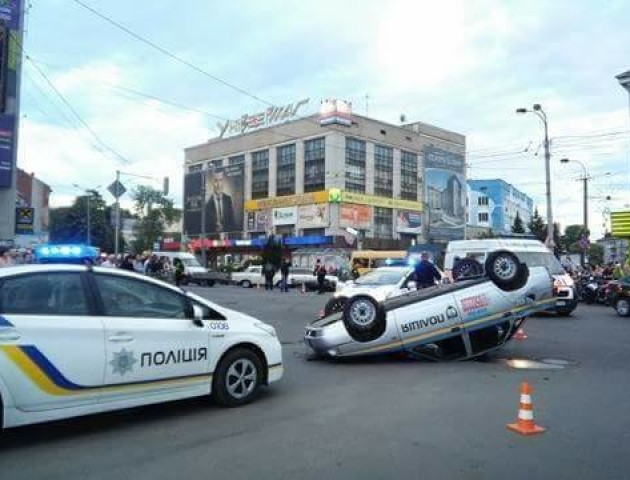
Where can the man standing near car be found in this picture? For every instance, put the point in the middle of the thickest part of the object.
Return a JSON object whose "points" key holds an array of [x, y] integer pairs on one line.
{"points": [[320, 273], [425, 273], [284, 271]]}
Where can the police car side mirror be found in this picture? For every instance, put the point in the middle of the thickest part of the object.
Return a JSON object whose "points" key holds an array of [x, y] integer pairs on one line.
{"points": [[411, 285], [197, 314]]}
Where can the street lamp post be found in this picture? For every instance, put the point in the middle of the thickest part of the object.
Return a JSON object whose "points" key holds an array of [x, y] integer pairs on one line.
{"points": [[585, 178], [88, 193], [540, 113]]}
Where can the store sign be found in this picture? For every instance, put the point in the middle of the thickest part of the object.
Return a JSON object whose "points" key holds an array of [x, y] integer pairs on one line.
{"points": [[288, 201], [620, 223], [386, 202], [259, 221], [271, 116], [284, 216], [313, 216], [24, 220], [335, 112], [355, 216], [409, 222]]}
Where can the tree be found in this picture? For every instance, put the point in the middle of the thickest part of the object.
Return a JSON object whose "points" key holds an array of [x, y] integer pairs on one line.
{"points": [[70, 224], [595, 254], [272, 251], [537, 226], [518, 226], [154, 212]]}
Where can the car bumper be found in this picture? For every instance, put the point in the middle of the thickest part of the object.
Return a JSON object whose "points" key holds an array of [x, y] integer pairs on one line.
{"points": [[275, 373]]}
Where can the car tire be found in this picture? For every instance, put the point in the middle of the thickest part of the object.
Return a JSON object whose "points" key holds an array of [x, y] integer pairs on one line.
{"points": [[506, 271], [209, 283], [238, 377], [246, 284], [622, 307], [334, 305], [185, 280], [364, 319], [466, 268]]}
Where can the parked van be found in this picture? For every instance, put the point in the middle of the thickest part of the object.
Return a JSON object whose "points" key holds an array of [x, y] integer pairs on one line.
{"points": [[530, 251], [367, 260], [194, 272]]}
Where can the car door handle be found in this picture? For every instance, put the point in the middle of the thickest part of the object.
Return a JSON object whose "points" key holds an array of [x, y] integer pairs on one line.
{"points": [[9, 337], [121, 337]]}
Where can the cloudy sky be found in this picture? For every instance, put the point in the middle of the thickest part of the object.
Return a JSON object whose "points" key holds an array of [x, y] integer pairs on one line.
{"points": [[462, 65]]}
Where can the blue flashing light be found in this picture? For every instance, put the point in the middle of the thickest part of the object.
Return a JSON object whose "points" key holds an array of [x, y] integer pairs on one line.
{"points": [[65, 253], [412, 262], [388, 261]]}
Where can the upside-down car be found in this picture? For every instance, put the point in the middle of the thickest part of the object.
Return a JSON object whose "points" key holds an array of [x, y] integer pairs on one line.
{"points": [[467, 318]]}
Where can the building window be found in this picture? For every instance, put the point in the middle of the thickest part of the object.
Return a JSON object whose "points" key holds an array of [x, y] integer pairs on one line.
{"points": [[383, 171], [212, 164], [408, 175], [314, 165], [355, 165], [481, 201], [236, 160], [285, 170], [260, 174], [482, 217], [383, 220]]}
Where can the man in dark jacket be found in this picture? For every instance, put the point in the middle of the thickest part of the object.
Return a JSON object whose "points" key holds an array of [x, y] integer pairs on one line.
{"points": [[219, 208], [425, 272], [284, 271], [320, 273]]}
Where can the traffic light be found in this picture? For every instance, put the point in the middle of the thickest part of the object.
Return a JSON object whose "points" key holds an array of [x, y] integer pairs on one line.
{"points": [[165, 186]]}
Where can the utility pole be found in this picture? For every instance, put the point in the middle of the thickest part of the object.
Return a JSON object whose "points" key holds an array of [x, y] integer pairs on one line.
{"points": [[117, 216], [89, 234]]}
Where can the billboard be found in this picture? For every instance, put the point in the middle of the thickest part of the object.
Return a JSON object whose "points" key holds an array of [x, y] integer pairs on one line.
{"points": [[355, 216], [213, 200], [620, 224], [259, 221], [444, 194], [284, 216], [24, 220], [409, 222], [313, 216], [10, 62]]}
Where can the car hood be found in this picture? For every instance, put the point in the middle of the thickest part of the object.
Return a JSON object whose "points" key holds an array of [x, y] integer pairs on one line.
{"points": [[379, 292]]}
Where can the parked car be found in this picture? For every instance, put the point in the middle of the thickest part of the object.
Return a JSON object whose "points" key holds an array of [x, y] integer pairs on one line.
{"points": [[460, 320], [194, 272], [304, 276], [249, 277]]}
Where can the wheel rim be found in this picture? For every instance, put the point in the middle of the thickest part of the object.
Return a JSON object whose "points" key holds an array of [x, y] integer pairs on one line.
{"points": [[623, 307], [241, 378], [362, 312], [246, 284], [504, 268]]}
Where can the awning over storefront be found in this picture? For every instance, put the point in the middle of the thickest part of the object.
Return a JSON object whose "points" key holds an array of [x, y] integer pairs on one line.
{"points": [[260, 242]]}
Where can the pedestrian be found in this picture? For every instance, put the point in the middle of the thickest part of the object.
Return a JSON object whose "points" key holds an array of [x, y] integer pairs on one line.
{"points": [[284, 271], [320, 273], [268, 271], [110, 262], [179, 271], [127, 263], [426, 274]]}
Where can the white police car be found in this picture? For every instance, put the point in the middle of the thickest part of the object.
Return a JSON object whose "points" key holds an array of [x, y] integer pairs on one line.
{"points": [[76, 340]]}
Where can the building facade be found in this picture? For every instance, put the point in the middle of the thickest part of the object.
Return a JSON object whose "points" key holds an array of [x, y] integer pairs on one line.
{"points": [[615, 249], [31, 210], [495, 203], [312, 178]]}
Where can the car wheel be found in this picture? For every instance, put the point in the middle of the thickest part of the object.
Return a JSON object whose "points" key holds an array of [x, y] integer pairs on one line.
{"points": [[623, 307], [334, 305], [210, 283], [185, 281], [238, 377], [364, 318], [246, 284], [465, 268], [506, 271]]}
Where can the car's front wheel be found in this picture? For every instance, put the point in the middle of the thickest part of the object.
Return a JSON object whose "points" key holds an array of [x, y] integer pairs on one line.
{"points": [[364, 319], [238, 377], [506, 271], [622, 306], [246, 284]]}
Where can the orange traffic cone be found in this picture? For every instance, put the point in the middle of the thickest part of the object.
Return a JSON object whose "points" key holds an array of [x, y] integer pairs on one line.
{"points": [[520, 334], [525, 422]]}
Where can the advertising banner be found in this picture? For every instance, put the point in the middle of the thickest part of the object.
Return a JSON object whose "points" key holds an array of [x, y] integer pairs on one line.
{"points": [[10, 64], [284, 216], [287, 201], [409, 222], [620, 223], [24, 220], [336, 196], [259, 221], [213, 200], [444, 194], [355, 216], [313, 216]]}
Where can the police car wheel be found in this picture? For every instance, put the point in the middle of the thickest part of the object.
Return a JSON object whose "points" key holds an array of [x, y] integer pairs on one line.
{"points": [[364, 318], [246, 284], [506, 271], [334, 305], [238, 377], [622, 306], [466, 267]]}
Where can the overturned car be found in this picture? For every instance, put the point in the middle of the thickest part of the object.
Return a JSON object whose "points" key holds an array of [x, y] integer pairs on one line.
{"points": [[478, 313]]}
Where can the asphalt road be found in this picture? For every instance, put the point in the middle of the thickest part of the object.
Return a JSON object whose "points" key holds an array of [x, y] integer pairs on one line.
{"points": [[367, 419]]}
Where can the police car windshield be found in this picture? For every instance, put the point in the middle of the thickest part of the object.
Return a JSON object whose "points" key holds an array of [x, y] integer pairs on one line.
{"points": [[384, 276]]}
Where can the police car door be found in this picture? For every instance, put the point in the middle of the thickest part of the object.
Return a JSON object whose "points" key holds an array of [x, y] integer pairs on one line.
{"points": [[52, 347], [153, 347]]}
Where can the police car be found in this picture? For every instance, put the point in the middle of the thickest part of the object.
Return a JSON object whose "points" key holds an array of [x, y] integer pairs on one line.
{"points": [[474, 315], [76, 340]]}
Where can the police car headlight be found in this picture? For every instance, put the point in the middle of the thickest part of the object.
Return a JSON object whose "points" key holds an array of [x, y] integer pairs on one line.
{"points": [[266, 328]]}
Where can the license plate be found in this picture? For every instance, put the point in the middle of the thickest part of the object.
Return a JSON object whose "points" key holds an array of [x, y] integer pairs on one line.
{"points": [[561, 303]]}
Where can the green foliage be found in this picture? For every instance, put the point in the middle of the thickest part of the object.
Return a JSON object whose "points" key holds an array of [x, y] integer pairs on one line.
{"points": [[572, 236], [272, 252], [154, 212], [537, 226], [518, 226], [595, 254]]}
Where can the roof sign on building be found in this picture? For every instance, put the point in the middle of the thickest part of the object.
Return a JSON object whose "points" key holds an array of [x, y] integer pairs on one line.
{"points": [[620, 222], [271, 116], [335, 112]]}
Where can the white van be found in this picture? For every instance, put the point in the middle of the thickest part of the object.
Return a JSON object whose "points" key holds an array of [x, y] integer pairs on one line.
{"points": [[530, 251], [194, 272]]}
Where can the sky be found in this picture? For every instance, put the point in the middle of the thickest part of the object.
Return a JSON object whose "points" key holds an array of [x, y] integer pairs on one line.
{"points": [[462, 65]]}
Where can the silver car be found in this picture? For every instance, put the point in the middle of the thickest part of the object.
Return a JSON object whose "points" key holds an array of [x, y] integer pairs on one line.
{"points": [[456, 321]]}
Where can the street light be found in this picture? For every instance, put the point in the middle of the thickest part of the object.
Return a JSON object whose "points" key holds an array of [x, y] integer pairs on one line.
{"points": [[540, 113], [88, 193]]}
